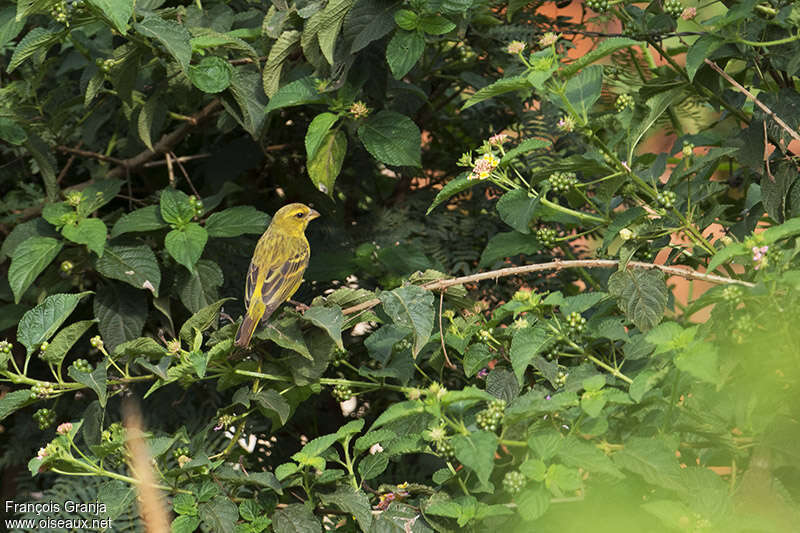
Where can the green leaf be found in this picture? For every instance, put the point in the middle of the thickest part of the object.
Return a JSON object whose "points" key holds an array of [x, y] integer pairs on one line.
{"points": [[605, 48], [545, 444], [295, 518], [516, 209], [185, 504], [211, 75], [11, 132], [121, 311], [411, 307], [700, 359], [28, 260], [657, 104], [398, 411], [406, 19], [117, 11], [201, 320], [324, 167], [24, 232], [236, 221], [186, 245], [35, 40], [96, 380], [368, 22], [526, 344], [435, 24], [701, 49], [354, 502], [476, 452], [271, 75], [64, 340], [14, 401], [592, 402], [59, 213], [41, 322], [144, 219], [135, 265], [643, 382], [392, 138], [219, 514], [641, 294], [330, 21], [10, 25], [249, 96], [403, 51], [651, 458], [199, 289], [185, 524], [172, 35], [580, 454], [329, 319], [583, 90], [97, 195], [453, 187], [272, 401], [508, 244], [501, 86], [300, 92], [286, 333], [372, 466], [317, 131], [528, 145], [152, 109], [89, 231], [477, 357], [175, 207]]}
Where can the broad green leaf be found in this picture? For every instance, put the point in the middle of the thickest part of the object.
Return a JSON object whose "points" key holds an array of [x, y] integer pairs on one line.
{"points": [[135, 265], [524, 147], [526, 344], [657, 104], [701, 49], [645, 381], [367, 22], [201, 320], [641, 294], [581, 302], [592, 402], [621, 220], [391, 138], [477, 357], [699, 359], [172, 35], [35, 40], [117, 11], [411, 307], [582, 454], [501, 86], [29, 259], [406, 19], [372, 466], [145, 346], [329, 319], [436, 24], [121, 311], [10, 25], [271, 75], [476, 452], [152, 109], [249, 96], [459, 184], [144, 219], [324, 167], [97, 195], [186, 245], [398, 411], [516, 208], [89, 231], [300, 92], [43, 155], [501, 383], [269, 399], [235, 221], [790, 228], [24, 232], [41, 322], [199, 289], [583, 90], [545, 444], [403, 51], [355, 503], [185, 504], [64, 341], [330, 22], [316, 447], [286, 333], [605, 48], [175, 207], [220, 514], [295, 518], [508, 244], [11, 132], [317, 131], [97, 380], [14, 401], [59, 213], [651, 458], [562, 479], [211, 75]]}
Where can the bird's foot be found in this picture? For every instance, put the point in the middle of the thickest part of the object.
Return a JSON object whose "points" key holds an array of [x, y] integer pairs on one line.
{"points": [[299, 307]]}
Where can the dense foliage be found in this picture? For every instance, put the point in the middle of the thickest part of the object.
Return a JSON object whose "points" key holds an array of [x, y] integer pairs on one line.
{"points": [[144, 144]]}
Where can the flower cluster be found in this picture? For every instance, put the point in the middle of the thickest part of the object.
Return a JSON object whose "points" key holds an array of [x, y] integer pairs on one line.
{"points": [[548, 39], [566, 124], [483, 167], [515, 47], [689, 13], [498, 139], [359, 110], [759, 256]]}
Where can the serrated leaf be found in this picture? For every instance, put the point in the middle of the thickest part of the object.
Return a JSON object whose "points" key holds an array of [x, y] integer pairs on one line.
{"points": [[295, 518], [526, 344], [641, 294], [186, 245], [398, 411], [144, 219], [121, 312], [40, 323], [219, 514], [701, 49], [286, 333], [403, 51], [175, 207], [249, 96], [36, 39], [299, 92], [329, 319], [11, 132], [117, 11], [372, 466], [476, 452], [501, 86], [147, 115], [508, 244], [516, 209], [652, 459], [278, 54], [201, 320], [453, 187], [699, 359], [330, 21], [28, 260], [317, 131], [476, 358], [135, 265], [392, 138], [97, 380], [657, 104], [324, 167], [236, 221], [436, 24], [525, 146], [367, 22], [411, 307], [605, 48], [89, 231], [583, 90], [173, 36], [64, 340], [199, 289], [14, 401], [355, 503], [211, 75], [270, 399]]}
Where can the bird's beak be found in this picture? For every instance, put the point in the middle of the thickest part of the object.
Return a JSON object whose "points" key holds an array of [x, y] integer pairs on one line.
{"points": [[313, 214]]}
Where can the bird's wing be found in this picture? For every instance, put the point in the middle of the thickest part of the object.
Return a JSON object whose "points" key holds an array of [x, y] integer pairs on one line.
{"points": [[282, 263]]}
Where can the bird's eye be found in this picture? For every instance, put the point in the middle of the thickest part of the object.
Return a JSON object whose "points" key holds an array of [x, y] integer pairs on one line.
{"points": [[299, 215]]}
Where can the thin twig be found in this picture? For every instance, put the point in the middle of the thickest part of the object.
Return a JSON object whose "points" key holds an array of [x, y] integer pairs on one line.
{"points": [[68, 164], [87, 153], [185, 175], [170, 172], [441, 332], [181, 159], [439, 285], [755, 100]]}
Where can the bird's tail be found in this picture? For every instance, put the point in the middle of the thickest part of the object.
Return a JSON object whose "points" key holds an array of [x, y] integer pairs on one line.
{"points": [[245, 331]]}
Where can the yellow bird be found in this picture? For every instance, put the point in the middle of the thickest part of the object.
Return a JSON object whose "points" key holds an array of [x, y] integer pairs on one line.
{"points": [[277, 267]]}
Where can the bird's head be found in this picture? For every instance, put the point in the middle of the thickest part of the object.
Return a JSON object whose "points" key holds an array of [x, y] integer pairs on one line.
{"points": [[294, 218]]}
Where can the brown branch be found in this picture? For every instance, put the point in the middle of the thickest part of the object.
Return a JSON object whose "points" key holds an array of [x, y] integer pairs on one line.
{"points": [[181, 159], [556, 265], [441, 332], [92, 155]]}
